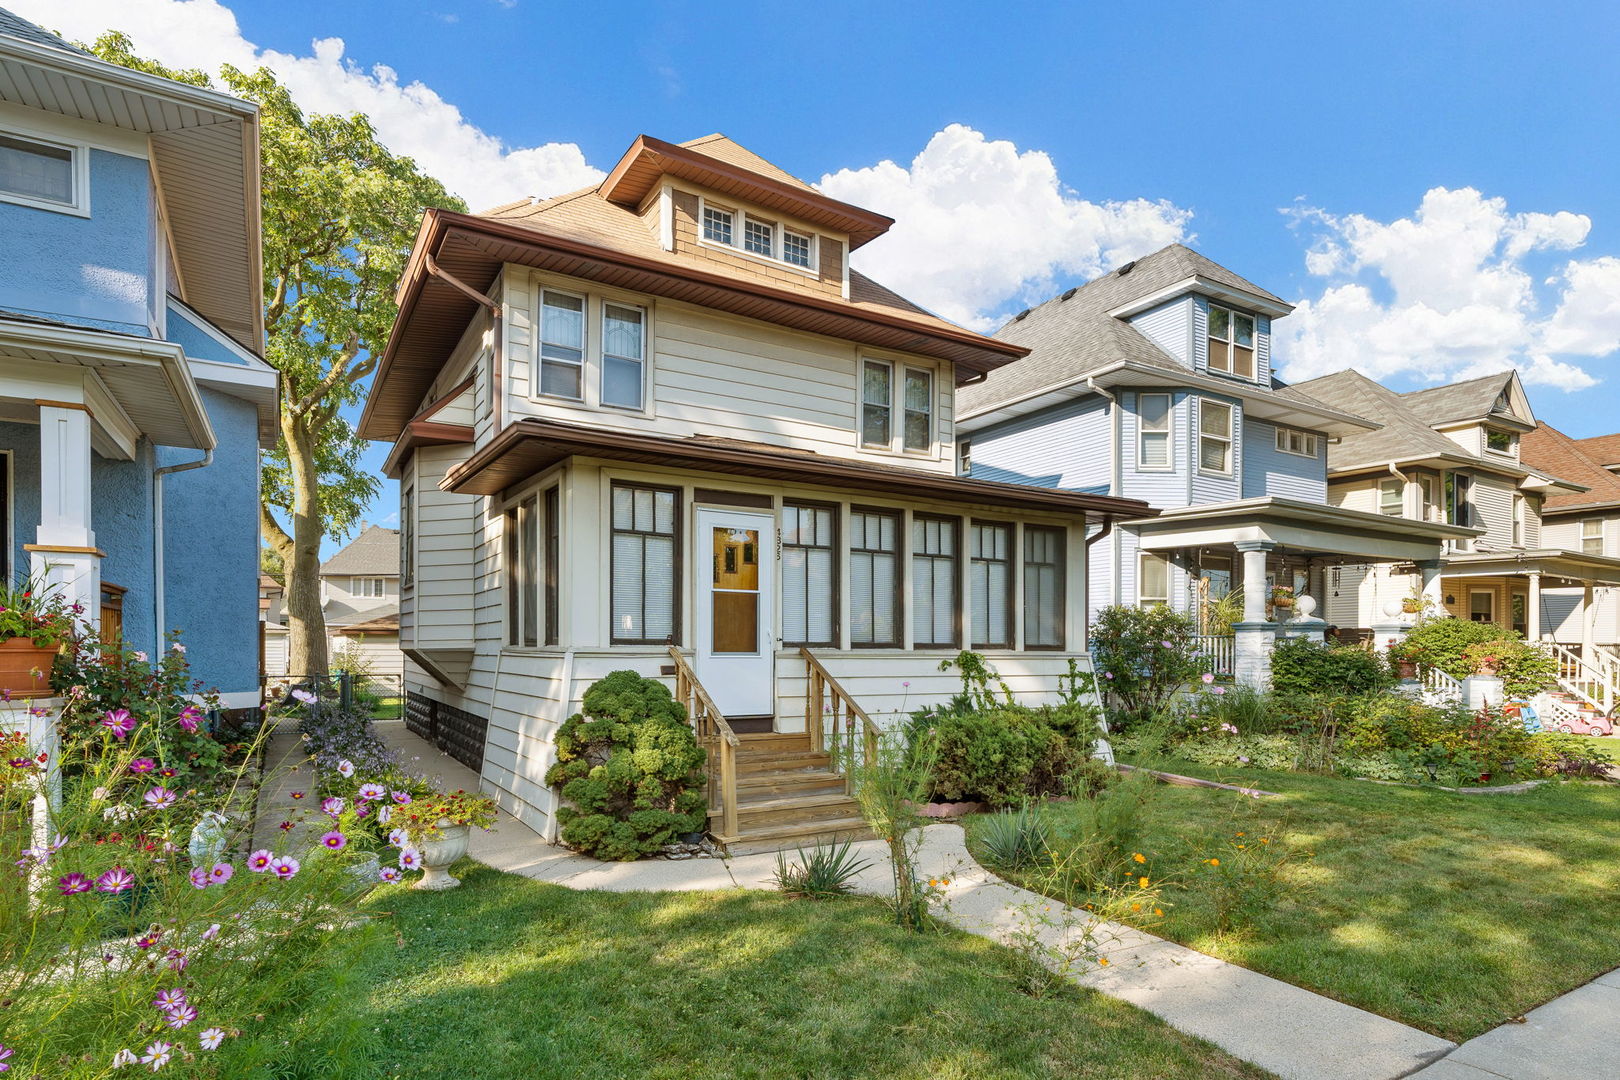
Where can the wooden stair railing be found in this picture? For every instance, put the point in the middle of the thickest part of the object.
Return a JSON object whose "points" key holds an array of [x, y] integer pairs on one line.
{"points": [[834, 719], [714, 734]]}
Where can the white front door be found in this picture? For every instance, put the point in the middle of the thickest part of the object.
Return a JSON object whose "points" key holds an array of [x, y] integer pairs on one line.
{"points": [[736, 560]]}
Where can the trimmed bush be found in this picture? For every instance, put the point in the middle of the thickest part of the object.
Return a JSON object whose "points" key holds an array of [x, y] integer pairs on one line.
{"points": [[1144, 655], [1442, 642], [1312, 667], [631, 768], [1002, 756]]}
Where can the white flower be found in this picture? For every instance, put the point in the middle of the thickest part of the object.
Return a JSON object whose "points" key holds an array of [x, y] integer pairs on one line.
{"points": [[142, 658], [177, 647], [157, 1055], [210, 1038], [125, 1057], [118, 812], [100, 794], [346, 768], [384, 812]]}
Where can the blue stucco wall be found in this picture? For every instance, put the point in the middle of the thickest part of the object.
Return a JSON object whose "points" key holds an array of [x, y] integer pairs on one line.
{"points": [[22, 440], [94, 271], [121, 515], [211, 549], [184, 329]]}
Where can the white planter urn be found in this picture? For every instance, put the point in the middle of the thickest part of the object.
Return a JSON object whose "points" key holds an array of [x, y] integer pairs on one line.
{"points": [[439, 854]]}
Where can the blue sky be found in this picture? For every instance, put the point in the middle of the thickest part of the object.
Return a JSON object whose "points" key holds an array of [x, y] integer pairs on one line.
{"points": [[1434, 182]]}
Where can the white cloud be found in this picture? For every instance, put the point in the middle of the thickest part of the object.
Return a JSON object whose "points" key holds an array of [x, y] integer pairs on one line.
{"points": [[980, 224], [410, 118], [1449, 293]]}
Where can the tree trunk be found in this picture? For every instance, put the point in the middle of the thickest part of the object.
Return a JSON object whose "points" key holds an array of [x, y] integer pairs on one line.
{"points": [[306, 624]]}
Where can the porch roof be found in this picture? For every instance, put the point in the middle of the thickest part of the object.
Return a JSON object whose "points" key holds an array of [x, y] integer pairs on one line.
{"points": [[1549, 562], [1301, 526], [529, 446]]}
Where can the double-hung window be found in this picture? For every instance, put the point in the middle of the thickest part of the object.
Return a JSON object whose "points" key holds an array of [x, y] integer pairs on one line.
{"points": [[934, 553], [1429, 509], [1153, 580], [645, 554], [1294, 441], [1214, 437], [877, 394], [1153, 431], [919, 410], [1592, 536], [41, 174], [1231, 342], [523, 572], [874, 578], [1043, 586], [809, 575], [624, 346], [1518, 520], [990, 586], [562, 344], [717, 225], [1392, 497]]}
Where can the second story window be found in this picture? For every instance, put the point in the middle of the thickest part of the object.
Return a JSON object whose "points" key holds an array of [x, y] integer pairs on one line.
{"points": [[1392, 497], [1518, 521], [407, 535], [1294, 441], [919, 418], [369, 587], [717, 225], [1501, 442], [759, 237], [1592, 536], [1214, 437], [1231, 342], [562, 345], [796, 249], [1153, 431], [877, 390], [624, 340], [40, 174]]}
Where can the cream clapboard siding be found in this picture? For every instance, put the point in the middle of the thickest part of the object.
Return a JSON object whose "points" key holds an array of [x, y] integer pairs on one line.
{"points": [[717, 375], [436, 607], [379, 652], [275, 652], [1492, 498]]}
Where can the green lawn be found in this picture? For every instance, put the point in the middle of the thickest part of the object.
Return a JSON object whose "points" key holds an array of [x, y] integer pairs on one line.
{"points": [[508, 977], [1452, 913]]}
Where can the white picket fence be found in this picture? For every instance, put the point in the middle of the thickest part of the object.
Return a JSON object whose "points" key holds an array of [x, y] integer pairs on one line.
{"points": [[1218, 651], [1439, 688]]}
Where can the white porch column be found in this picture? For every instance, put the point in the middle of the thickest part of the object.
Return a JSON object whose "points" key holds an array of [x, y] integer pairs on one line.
{"points": [[1532, 615], [63, 555], [1433, 590], [1586, 622], [1251, 662]]}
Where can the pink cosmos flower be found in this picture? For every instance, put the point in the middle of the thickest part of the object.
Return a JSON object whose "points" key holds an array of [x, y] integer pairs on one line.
{"points": [[180, 1017], [140, 656], [149, 939], [177, 960], [125, 1057], [1207, 677], [372, 791], [210, 1038], [260, 861], [199, 878], [384, 812], [159, 798], [169, 1000], [211, 932], [334, 840], [73, 883], [221, 873], [119, 721], [189, 718], [284, 867], [157, 1055], [388, 873], [297, 794], [5, 1052], [402, 797], [1167, 645], [332, 807], [345, 768], [303, 696], [142, 765], [398, 838], [116, 880], [177, 647], [409, 859], [1217, 690]]}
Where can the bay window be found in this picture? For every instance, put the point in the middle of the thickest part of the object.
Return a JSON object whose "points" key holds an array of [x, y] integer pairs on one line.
{"points": [[645, 555], [809, 575], [990, 585], [1214, 437], [874, 578], [1231, 342], [934, 553], [1043, 586]]}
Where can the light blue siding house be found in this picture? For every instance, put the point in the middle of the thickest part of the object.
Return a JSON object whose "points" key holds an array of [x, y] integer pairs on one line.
{"points": [[134, 398], [1154, 382]]}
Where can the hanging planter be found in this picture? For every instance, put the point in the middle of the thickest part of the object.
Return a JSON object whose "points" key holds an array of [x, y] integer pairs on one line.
{"points": [[1282, 597]]}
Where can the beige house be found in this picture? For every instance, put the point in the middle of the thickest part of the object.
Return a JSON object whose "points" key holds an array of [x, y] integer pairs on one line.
{"points": [[660, 424]]}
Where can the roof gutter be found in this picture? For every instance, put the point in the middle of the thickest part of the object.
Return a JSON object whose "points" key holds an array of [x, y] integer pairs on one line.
{"points": [[159, 601]]}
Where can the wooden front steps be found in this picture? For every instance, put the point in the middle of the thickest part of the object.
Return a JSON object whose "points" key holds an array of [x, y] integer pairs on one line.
{"points": [[787, 797]]}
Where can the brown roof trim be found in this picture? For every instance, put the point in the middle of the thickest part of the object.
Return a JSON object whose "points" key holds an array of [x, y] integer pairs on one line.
{"points": [[649, 159], [529, 446], [383, 624], [419, 433], [491, 243]]}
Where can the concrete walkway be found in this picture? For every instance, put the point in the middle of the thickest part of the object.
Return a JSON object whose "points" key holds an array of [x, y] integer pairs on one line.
{"points": [[1290, 1031]]}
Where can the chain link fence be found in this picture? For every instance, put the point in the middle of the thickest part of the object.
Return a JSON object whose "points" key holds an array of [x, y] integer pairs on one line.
{"points": [[380, 697]]}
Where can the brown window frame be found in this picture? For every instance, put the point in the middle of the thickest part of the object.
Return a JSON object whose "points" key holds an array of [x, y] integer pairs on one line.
{"points": [[521, 563], [956, 582], [1062, 566], [551, 531], [678, 558], [900, 570], [1009, 628], [836, 548]]}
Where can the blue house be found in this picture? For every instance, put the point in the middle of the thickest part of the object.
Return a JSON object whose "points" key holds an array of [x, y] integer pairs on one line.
{"points": [[134, 397], [1154, 382]]}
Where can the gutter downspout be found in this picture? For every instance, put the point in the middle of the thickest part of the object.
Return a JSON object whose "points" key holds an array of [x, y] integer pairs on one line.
{"points": [[1116, 483], [159, 607], [497, 334]]}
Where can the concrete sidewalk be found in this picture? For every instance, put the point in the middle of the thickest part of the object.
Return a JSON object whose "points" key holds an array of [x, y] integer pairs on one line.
{"points": [[1569, 1038]]}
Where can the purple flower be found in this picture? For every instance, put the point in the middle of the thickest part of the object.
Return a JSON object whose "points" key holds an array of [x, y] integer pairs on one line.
{"points": [[1167, 645], [142, 765], [211, 932], [402, 797], [169, 1000], [284, 867], [179, 1018], [303, 696], [1109, 675], [398, 838], [199, 878], [260, 861], [116, 880], [1217, 690], [332, 807], [388, 873], [5, 1052], [1207, 677], [210, 1038], [159, 798], [221, 873], [157, 1055], [371, 791], [149, 939], [73, 883], [409, 859], [384, 812], [119, 721], [1243, 759], [189, 717], [334, 840], [177, 960]]}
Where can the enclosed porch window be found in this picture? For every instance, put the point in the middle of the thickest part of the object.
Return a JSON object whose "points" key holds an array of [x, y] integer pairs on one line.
{"points": [[645, 559], [874, 578], [934, 554], [990, 585], [1044, 547], [809, 574]]}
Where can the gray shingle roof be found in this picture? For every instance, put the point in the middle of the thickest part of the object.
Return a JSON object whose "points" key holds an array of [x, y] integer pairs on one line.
{"points": [[17, 26], [1405, 434], [1458, 401], [375, 552], [1068, 337]]}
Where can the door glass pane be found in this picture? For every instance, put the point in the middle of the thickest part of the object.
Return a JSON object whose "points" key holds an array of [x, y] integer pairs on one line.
{"points": [[735, 626]]}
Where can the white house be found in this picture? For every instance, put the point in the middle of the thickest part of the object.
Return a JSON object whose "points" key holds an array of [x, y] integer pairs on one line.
{"points": [[360, 603]]}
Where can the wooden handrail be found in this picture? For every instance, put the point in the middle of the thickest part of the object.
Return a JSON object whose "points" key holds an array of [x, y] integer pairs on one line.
{"points": [[714, 734], [830, 710]]}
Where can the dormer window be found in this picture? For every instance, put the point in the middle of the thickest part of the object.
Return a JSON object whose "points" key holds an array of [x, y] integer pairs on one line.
{"points": [[47, 175], [1231, 342], [717, 225], [1502, 442], [795, 249], [758, 237]]}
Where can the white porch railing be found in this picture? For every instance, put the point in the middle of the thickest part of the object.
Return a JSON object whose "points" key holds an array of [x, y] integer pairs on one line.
{"points": [[1218, 651], [1594, 679], [1556, 714], [1438, 687]]}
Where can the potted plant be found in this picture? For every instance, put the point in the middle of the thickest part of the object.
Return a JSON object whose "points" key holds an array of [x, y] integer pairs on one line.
{"points": [[1413, 604], [35, 622], [439, 826], [1405, 658], [1282, 597], [1488, 664]]}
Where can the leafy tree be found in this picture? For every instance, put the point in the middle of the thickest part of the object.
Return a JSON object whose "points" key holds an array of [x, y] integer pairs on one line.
{"points": [[340, 214]]}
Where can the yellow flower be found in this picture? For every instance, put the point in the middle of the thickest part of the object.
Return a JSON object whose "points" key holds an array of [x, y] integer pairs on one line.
{"points": [[1213, 862], [1242, 846], [1142, 883], [1242, 834], [1158, 911], [1102, 961], [1265, 839], [1139, 857]]}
